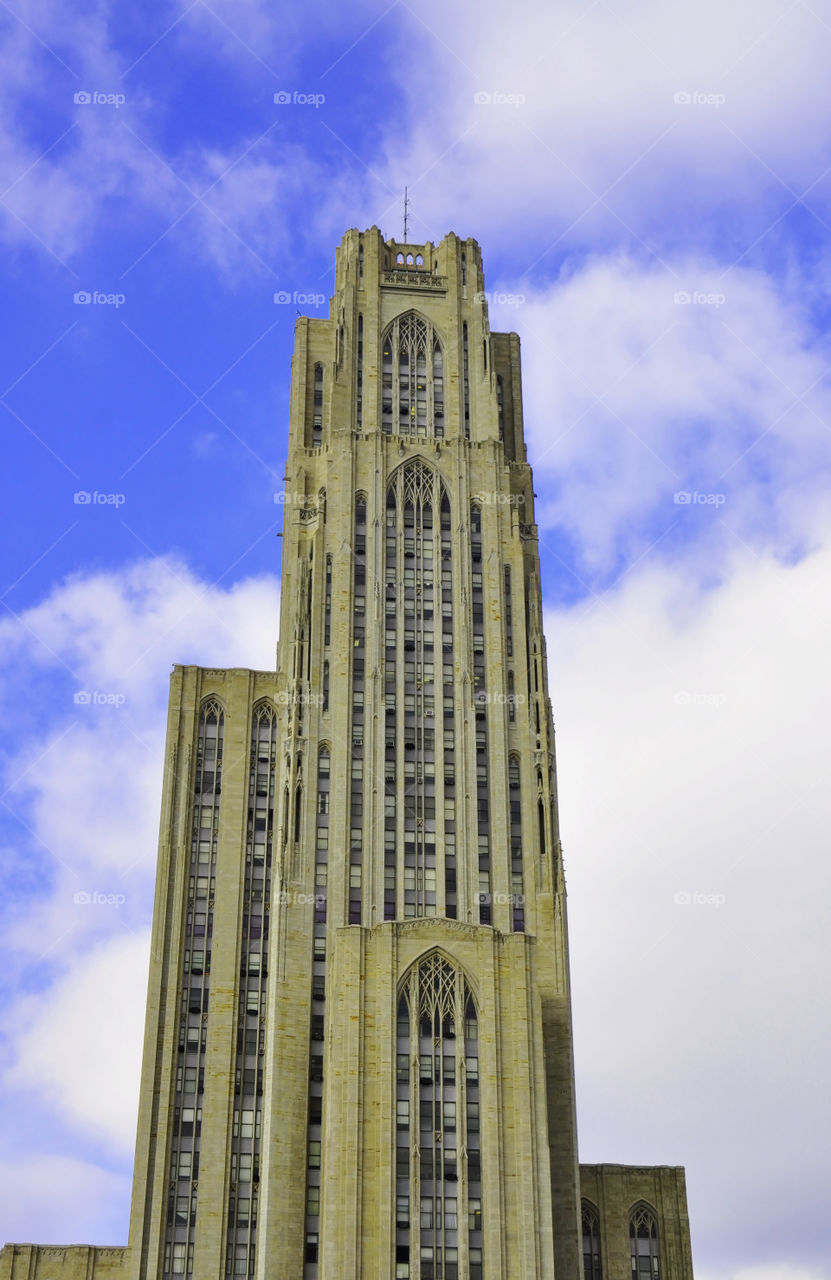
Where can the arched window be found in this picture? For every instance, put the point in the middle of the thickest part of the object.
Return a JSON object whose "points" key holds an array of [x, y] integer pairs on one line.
{"points": [[437, 1115], [466, 377], [412, 378], [643, 1244], [591, 1243], [359, 376], [298, 809], [327, 603], [419, 739], [317, 416], [515, 813]]}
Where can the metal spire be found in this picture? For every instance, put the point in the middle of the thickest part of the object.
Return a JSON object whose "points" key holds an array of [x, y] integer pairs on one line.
{"points": [[406, 218]]}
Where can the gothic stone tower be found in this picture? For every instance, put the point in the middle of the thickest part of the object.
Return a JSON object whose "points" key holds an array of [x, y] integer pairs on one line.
{"points": [[363, 929], [358, 1055]]}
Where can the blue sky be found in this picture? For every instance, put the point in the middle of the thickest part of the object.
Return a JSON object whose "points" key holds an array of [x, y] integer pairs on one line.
{"points": [[650, 188]]}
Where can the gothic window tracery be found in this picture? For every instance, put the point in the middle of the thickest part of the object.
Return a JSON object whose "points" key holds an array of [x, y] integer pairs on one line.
{"points": [[643, 1244], [412, 378], [419, 782], [591, 1242], [438, 1165]]}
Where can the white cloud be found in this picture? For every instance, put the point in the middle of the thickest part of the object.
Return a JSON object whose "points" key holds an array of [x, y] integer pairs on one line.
{"points": [[593, 134], [86, 783], [698, 1018], [777, 1271], [93, 1017], [632, 396], [53, 1199]]}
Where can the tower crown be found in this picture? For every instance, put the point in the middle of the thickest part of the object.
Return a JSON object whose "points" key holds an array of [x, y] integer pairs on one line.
{"points": [[407, 350]]}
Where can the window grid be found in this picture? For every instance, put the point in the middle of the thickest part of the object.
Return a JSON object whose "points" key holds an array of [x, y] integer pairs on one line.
{"points": [[420, 768], [515, 812], [314, 1151], [359, 375], [195, 990], [480, 696], [438, 1164], [643, 1244], [591, 1243], [412, 379], [317, 412], [356, 801], [250, 1050]]}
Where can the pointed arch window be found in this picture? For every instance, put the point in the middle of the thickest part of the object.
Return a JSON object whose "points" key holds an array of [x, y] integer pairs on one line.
{"points": [[643, 1244], [591, 1243], [419, 777], [437, 1117], [412, 378], [317, 412]]}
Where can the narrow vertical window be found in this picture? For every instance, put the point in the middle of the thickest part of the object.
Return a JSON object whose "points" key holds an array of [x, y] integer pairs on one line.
{"points": [[439, 1195], [391, 703], [247, 1121], [591, 1243], [509, 615], [416, 785], [318, 1018], [480, 698], [327, 604], [195, 989], [466, 379], [359, 375], [643, 1244], [515, 808], [356, 803], [500, 405], [317, 416]]}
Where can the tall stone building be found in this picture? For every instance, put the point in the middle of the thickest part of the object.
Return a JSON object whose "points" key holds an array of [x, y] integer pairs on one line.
{"points": [[358, 1056]]}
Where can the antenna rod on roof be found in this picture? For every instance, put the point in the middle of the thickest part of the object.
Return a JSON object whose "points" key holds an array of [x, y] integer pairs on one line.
{"points": [[406, 207]]}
